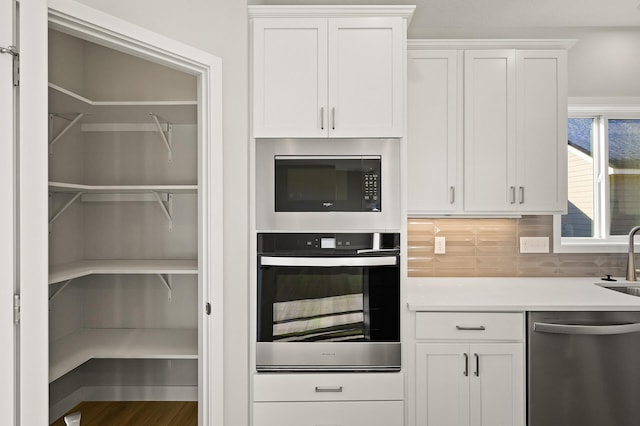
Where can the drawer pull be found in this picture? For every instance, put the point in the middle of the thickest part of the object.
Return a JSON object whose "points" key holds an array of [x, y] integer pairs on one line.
{"points": [[462, 327], [328, 388]]}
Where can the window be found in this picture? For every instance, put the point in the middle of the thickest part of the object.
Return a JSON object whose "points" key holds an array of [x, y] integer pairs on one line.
{"points": [[603, 153]]}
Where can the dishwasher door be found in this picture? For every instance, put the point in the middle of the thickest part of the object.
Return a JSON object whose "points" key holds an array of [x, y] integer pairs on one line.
{"points": [[583, 368]]}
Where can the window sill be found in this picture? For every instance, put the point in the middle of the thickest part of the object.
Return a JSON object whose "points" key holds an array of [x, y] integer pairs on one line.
{"points": [[561, 245]]}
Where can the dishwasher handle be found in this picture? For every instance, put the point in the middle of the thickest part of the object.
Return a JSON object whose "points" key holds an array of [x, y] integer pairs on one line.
{"points": [[592, 330]]}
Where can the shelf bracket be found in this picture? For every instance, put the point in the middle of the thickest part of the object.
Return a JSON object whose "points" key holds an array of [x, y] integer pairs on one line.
{"points": [[167, 137], [63, 131], [167, 208], [166, 280], [66, 206], [58, 291]]}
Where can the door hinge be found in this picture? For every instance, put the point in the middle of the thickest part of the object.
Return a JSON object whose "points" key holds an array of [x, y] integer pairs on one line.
{"points": [[16, 309], [207, 308], [13, 51]]}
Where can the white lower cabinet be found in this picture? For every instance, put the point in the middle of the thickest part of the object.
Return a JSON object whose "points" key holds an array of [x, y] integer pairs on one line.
{"points": [[335, 413], [328, 399], [465, 379], [460, 384]]}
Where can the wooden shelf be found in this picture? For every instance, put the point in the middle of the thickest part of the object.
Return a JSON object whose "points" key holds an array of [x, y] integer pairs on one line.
{"points": [[68, 271], [73, 350], [120, 189], [63, 102]]}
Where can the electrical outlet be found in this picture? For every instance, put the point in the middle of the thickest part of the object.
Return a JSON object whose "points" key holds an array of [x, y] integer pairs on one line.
{"points": [[440, 245], [534, 244]]}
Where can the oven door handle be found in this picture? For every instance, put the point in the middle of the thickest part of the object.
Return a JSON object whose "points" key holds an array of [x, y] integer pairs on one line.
{"points": [[329, 261], [593, 330]]}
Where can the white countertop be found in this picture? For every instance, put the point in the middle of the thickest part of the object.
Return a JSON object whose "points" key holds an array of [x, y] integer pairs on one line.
{"points": [[517, 294]]}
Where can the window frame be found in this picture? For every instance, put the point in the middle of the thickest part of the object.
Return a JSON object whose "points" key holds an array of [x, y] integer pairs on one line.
{"points": [[601, 110]]}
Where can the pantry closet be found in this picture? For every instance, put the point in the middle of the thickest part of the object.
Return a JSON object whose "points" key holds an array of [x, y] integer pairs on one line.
{"points": [[125, 260]]}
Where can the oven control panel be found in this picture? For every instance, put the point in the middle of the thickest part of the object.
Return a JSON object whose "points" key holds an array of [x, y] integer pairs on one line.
{"points": [[323, 243]]}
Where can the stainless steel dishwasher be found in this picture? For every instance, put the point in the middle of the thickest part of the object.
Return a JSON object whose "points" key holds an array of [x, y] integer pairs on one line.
{"points": [[583, 369]]}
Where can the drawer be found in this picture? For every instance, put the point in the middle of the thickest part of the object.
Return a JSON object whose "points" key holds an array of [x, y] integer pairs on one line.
{"points": [[469, 326], [361, 413], [328, 387]]}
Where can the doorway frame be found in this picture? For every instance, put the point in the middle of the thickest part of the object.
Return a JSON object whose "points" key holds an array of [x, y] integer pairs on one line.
{"points": [[84, 22]]}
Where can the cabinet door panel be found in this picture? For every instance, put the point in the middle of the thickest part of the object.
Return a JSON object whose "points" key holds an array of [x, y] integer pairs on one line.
{"points": [[489, 131], [370, 413], [442, 387], [290, 77], [366, 62], [542, 135], [432, 130], [497, 384]]}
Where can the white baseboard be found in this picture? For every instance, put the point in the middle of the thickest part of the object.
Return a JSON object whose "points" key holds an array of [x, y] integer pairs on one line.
{"points": [[122, 393]]}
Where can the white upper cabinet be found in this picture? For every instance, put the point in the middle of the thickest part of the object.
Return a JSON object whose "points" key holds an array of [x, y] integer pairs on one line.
{"points": [[542, 130], [366, 79], [290, 77], [487, 128], [432, 115], [317, 74], [515, 131]]}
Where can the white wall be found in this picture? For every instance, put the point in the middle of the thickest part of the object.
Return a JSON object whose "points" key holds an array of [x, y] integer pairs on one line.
{"points": [[605, 62], [220, 28]]}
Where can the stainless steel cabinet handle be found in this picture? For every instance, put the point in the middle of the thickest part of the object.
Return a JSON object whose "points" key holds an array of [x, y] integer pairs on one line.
{"points": [[593, 330], [477, 372], [333, 118], [466, 365], [467, 328], [328, 388], [452, 195], [321, 118], [512, 190], [522, 195]]}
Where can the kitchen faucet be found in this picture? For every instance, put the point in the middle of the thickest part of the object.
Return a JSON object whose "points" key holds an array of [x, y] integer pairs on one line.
{"points": [[631, 263]]}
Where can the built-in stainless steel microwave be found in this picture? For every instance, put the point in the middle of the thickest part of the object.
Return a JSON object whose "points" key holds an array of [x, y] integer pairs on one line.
{"points": [[327, 185]]}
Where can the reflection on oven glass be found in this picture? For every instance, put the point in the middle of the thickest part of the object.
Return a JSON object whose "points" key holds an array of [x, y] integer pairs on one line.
{"points": [[334, 318]]}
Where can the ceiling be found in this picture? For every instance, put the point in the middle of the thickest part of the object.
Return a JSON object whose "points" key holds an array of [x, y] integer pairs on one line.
{"points": [[503, 18]]}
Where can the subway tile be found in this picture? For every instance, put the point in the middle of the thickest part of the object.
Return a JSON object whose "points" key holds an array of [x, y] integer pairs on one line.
{"points": [[490, 247], [496, 250]]}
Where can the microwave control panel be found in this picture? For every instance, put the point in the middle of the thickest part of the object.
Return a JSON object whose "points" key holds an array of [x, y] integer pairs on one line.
{"points": [[371, 190]]}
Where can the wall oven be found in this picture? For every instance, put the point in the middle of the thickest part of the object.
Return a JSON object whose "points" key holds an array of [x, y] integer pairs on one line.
{"points": [[327, 185], [328, 302]]}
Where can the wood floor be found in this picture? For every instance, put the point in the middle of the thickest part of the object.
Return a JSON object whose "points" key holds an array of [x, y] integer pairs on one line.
{"points": [[138, 413]]}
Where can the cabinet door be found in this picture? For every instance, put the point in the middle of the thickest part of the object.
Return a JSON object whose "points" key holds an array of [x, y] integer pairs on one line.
{"points": [[432, 120], [361, 413], [366, 65], [442, 384], [542, 130], [497, 384], [489, 131], [289, 77]]}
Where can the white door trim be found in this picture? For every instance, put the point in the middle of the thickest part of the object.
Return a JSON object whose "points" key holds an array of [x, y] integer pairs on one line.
{"points": [[90, 24], [7, 213]]}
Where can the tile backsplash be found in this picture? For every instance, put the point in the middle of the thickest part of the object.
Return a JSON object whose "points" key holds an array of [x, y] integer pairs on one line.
{"points": [[491, 248]]}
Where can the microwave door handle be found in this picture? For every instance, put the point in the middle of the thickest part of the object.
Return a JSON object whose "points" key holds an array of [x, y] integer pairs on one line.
{"points": [[329, 261]]}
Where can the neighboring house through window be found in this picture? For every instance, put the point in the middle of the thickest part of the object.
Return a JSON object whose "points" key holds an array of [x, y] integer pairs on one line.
{"points": [[603, 178]]}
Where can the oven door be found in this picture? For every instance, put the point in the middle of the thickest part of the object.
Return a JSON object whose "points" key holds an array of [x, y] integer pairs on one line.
{"points": [[328, 313]]}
